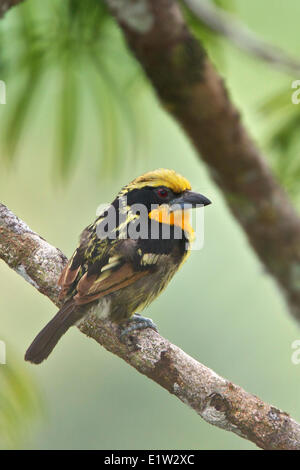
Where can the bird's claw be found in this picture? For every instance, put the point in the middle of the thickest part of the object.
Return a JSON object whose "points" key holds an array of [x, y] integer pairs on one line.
{"points": [[138, 322]]}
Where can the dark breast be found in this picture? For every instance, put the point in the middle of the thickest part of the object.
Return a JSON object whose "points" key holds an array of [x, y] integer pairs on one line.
{"points": [[168, 254], [164, 239]]}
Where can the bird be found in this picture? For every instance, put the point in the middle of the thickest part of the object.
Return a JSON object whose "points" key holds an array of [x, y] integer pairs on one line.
{"points": [[125, 258]]}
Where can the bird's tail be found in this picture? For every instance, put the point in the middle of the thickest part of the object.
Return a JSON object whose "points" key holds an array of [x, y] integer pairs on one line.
{"points": [[47, 339]]}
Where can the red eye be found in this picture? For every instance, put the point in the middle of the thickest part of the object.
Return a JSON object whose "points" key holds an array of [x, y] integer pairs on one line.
{"points": [[162, 192]]}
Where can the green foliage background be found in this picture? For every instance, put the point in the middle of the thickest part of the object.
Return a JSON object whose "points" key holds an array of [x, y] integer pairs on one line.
{"points": [[80, 121]]}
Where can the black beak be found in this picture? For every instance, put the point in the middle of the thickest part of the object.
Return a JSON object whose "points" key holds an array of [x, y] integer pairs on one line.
{"points": [[188, 200]]}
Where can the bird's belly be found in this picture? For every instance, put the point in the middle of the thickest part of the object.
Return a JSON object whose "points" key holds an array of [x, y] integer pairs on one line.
{"points": [[122, 304]]}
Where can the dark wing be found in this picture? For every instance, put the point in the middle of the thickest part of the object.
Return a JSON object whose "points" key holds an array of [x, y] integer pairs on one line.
{"points": [[91, 250], [100, 267], [94, 287], [71, 273]]}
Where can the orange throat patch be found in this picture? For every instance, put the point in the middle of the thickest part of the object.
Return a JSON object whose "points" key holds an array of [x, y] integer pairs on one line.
{"points": [[180, 218]]}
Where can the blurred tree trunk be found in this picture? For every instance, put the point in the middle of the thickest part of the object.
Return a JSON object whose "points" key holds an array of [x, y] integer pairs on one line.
{"points": [[6, 5]]}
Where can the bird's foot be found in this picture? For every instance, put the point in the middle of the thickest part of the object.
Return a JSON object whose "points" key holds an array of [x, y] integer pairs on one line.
{"points": [[138, 322]]}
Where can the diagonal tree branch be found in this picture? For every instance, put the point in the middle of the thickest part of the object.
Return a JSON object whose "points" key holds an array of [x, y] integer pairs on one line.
{"points": [[215, 399], [228, 26], [6, 5], [191, 90]]}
